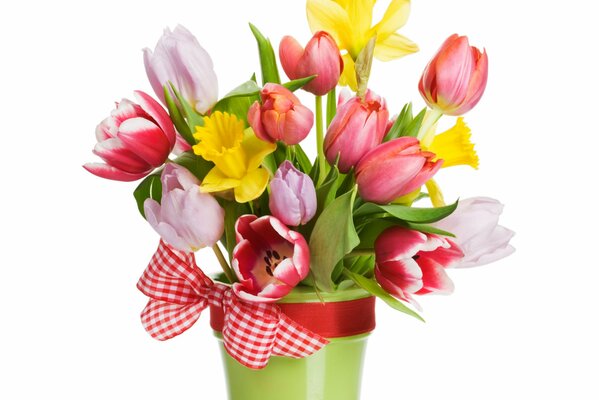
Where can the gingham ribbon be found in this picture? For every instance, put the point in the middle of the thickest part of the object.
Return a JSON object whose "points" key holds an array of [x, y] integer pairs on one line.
{"points": [[252, 332]]}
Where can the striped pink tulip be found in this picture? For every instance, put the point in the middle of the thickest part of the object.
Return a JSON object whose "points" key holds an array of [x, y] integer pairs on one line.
{"points": [[455, 79], [320, 57], [413, 263], [133, 140], [393, 169], [269, 259]]}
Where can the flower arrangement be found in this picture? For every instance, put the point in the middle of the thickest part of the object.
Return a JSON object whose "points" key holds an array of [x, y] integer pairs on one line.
{"points": [[231, 174]]}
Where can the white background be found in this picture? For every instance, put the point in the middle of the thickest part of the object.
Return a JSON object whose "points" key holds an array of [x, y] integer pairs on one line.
{"points": [[73, 245]]}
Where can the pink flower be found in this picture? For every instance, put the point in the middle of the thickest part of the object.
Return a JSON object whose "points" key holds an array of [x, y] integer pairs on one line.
{"points": [[455, 79], [321, 57], [292, 196], [269, 259], [410, 262], [393, 169], [475, 224], [358, 127], [134, 140], [280, 117], [185, 218], [178, 58]]}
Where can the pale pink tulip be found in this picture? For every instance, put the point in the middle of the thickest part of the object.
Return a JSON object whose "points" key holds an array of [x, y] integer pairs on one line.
{"points": [[133, 140], [412, 263], [358, 127], [178, 58], [185, 218], [321, 57], [475, 224], [455, 79], [393, 169], [269, 259], [281, 117], [292, 196]]}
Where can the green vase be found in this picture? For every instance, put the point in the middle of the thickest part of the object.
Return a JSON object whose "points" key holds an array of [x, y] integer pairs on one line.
{"points": [[332, 373]]}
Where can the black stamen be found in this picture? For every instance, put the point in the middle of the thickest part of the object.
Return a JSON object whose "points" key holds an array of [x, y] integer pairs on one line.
{"points": [[267, 260], [416, 257], [277, 256], [269, 253], [268, 270]]}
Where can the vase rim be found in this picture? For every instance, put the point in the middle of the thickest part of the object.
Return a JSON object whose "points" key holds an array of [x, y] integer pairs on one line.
{"points": [[305, 294]]}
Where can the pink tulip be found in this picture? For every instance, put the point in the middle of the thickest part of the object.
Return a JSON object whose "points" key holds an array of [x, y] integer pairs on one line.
{"points": [[280, 117], [358, 127], [178, 58], [393, 169], [269, 259], [185, 218], [410, 262], [292, 196], [134, 140], [475, 224], [455, 79], [321, 57]]}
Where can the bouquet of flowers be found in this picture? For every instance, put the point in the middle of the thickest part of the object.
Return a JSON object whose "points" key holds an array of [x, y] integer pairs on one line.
{"points": [[230, 174]]}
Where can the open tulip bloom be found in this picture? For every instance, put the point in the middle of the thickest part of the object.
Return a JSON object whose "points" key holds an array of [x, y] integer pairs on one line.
{"points": [[363, 209]]}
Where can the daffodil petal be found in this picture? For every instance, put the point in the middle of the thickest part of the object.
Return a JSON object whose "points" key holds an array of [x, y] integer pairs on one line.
{"points": [[326, 15], [455, 147], [360, 16], [252, 185], [348, 76], [216, 181], [435, 194], [394, 46], [395, 17], [256, 149]]}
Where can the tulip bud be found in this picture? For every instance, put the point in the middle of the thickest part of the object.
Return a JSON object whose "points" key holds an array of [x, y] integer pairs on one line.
{"points": [[321, 57], [178, 58], [292, 196], [394, 169], [133, 140], [410, 262], [358, 127], [280, 117], [185, 218], [455, 79], [475, 225]]}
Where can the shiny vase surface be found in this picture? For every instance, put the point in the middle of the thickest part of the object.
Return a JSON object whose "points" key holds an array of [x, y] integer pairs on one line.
{"points": [[332, 373]]}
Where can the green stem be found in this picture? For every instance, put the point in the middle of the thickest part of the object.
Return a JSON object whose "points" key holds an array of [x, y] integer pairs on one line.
{"points": [[430, 119], [319, 141], [223, 263]]}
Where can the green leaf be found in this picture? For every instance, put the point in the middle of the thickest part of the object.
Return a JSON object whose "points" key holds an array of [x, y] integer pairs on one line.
{"points": [[233, 211], [149, 188], [192, 117], [331, 105], [371, 231], [427, 229], [401, 123], [298, 83], [195, 164], [328, 190], [177, 117], [406, 213], [268, 62], [239, 100], [372, 287], [333, 237], [303, 162], [414, 126]]}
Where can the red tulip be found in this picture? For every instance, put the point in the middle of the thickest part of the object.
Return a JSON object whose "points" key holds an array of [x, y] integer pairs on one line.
{"points": [[269, 259], [394, 169], [280, 117], [358, 127], [455, 79], [410, 262], [134, 140], [321, 57]]}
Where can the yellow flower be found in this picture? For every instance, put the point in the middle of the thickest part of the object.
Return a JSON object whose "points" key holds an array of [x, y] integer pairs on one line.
{"points": [[454, 146], [349, 23], [237, 155]]}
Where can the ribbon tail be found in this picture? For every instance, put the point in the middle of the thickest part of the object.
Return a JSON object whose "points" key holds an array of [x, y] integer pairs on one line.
{"points": [[164, 320], [293, 340]]}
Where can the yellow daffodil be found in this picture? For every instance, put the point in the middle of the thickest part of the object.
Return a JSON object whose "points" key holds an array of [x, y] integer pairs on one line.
{"points": [[454, 146], [349, 22], [237, 155]]}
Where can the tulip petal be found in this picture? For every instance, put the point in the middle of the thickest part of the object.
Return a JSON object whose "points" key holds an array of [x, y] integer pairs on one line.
{"points": [[398, 243], [284, 203], [434, 278], [109, 172], [290, 52], [114, 152], [146, 139], [155, 110], [393, 47], [252, 185], [287, 273]]}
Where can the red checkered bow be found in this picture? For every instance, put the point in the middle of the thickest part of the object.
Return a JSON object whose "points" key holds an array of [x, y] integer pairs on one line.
{"points": [[252, 332]]}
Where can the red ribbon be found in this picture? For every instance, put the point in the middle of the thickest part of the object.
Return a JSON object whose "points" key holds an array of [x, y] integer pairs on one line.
{"points": [[252, 332]]}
